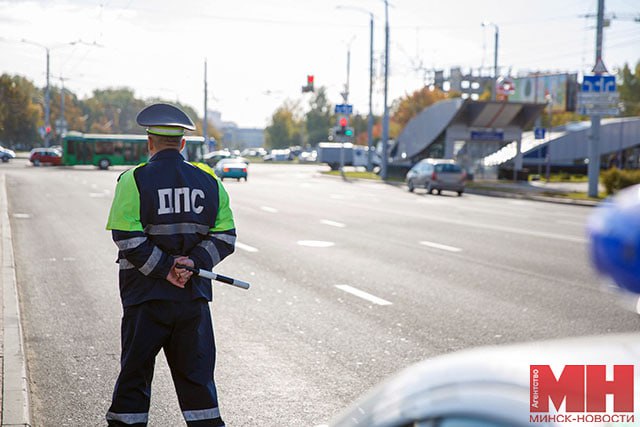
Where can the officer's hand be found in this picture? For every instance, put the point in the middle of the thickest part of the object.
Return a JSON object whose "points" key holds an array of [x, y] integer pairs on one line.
{"points": [[179, 276]]}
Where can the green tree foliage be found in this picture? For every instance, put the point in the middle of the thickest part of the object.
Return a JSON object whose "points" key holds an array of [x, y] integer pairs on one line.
{"points": [[285, 129], [318, 118], [630, 90], [73, 113], [113, 111], [19, 115]]}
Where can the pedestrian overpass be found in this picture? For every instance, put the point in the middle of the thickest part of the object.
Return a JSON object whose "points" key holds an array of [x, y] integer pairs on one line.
{"points": [[567, 146], [465, 130]]}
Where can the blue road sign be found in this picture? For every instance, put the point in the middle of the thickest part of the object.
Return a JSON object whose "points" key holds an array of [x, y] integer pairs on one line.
{"points": [[343, 109], [487, 135], [539, 133], [599, 84]]}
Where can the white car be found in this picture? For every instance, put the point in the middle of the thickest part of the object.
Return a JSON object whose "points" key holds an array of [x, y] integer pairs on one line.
{"points": [[499, 386], [6, 154]]}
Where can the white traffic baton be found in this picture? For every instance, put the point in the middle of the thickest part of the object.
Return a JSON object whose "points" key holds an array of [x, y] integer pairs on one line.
{"points": [[214, 276]]}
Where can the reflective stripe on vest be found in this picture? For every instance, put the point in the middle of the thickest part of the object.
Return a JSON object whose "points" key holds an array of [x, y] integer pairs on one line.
{"points": [[179, 228]]}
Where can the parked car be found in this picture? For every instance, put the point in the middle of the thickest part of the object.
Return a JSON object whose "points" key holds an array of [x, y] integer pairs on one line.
{"points": [[436, 174], [213, 157], [278, 156], [6, 154], [231, 168], [45, 156]]}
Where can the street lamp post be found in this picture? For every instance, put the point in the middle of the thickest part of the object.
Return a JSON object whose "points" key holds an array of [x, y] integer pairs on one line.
{"points": [[47, 94], [370, 120], [495, 59], [385, 117]]}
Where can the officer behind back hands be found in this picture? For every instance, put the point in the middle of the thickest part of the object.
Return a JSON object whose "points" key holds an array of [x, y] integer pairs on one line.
{"points": [[168, 212]]}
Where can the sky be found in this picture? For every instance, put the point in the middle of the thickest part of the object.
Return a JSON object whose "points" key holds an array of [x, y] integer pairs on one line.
{"points": [[259, 52]]}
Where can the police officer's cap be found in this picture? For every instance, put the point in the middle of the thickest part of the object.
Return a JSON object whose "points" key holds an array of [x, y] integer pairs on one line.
{"points": [[165, 120]]}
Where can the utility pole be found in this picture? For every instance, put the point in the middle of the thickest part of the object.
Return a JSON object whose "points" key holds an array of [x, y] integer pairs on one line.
{"points": [[385, 118], [204, 120], [594, 140], [494, 88], [370, 122], [63, 120], [47, 112]]}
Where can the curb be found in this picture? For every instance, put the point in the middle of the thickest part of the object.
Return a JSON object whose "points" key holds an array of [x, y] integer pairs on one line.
{"points": [[15, 386], [526, 196], [490, 193]]}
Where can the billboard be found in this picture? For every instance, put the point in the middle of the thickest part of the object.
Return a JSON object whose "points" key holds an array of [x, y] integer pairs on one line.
{"points": [[537, 88]]}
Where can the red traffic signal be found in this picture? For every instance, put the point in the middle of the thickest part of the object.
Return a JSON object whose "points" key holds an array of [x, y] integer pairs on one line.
{"points": [[343, 122], [310, 80]]}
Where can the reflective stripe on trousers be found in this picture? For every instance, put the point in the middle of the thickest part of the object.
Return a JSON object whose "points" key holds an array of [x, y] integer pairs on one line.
{"points": [[129, 419]]}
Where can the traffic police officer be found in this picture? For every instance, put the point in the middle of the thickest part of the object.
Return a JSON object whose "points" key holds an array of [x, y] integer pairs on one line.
{"points": [[164, 213]]}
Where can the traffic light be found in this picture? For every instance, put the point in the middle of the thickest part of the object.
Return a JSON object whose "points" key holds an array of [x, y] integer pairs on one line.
{"points": [[343, 127], [309, 87]]}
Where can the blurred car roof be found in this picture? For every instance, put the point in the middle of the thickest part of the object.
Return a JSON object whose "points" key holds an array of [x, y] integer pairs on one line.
{"points": [[490, 383]]}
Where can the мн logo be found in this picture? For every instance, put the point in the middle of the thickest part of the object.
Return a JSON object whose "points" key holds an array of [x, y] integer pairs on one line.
{"points": [[582, 389]]}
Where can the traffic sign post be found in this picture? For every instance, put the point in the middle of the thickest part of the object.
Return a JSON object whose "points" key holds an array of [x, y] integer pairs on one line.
{"points": [[598, 98]]}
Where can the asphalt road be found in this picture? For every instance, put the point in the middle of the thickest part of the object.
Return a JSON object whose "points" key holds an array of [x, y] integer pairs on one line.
{"points": [[351, 281]]}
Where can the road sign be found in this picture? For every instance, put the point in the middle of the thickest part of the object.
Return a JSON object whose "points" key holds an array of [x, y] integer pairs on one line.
{"points": [[343, 109], [602, 104], [599, 84], [487, 135], [598, 96], [539, 133]]}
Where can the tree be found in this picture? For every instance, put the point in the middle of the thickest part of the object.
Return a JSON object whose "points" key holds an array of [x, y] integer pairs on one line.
{"points": [[285, 129], [19, 115], [410, 106], [113, 111], [630, 90], [318, 118]]}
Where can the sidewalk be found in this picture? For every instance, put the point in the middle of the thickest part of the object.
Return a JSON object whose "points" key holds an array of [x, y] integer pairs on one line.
{"points": [[14, 395], [554, 192]]}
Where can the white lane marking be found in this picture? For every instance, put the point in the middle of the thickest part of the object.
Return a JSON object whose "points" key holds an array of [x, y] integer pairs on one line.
{"points": [[332, 223], [269, 209], [22, 215], [364, 295], [69, 258], [315, 243], [98, 195], [440, 246], [576, 223], [246, 247]]}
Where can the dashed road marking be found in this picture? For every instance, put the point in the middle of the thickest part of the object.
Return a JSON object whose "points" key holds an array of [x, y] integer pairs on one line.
{"points": [[22, 215], [364, 295], [315, 243], [246, 247], [332, 223], [269, 209], [440, 246]]}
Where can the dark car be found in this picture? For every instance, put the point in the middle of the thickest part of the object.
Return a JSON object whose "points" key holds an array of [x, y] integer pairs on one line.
{"points": [[6, 154], [436, 174], [232, 168], [45, 156]]}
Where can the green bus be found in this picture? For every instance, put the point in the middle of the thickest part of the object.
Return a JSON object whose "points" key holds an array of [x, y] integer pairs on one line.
{"points": [[104, 150]]}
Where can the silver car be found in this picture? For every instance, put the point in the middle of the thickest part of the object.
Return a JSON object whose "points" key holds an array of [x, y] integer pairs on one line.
{"points": [[436, 174]]}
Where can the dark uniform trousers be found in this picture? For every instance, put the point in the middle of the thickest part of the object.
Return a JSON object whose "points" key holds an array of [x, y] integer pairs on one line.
{"points": [[173, 326]]}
